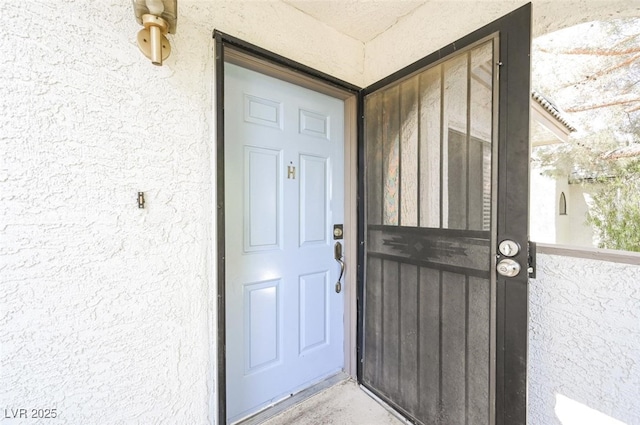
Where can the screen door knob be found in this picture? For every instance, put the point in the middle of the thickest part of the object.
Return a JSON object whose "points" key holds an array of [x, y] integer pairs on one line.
{"points": [[508, 267]]}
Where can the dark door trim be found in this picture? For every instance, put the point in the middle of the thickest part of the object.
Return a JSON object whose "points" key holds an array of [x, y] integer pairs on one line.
{"points": [[513, 294], [511, 369], [511, 337], [222, 43]]}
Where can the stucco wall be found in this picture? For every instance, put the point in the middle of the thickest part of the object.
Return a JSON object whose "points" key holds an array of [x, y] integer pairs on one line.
{"points": [[104, 307], [584, 353], [543, 220], [439, 23], [546, 225], [579, 232]]}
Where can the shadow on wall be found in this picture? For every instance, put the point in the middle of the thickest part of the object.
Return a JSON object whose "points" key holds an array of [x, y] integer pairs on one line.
{"points": [[584, 342]]}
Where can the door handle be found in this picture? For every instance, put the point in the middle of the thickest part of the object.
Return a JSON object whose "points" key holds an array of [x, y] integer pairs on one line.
{"points": [[508, 267], [337, 253]]}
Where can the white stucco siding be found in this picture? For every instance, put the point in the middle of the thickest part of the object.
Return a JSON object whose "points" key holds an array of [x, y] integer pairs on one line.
{"points": [[287, 31], [420, 34], [438, 23], [104, 307], [543, 218], [578, 199], [584, 342], [546, 224]]}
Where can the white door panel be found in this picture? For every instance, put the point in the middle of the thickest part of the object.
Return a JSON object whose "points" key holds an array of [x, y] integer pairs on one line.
{"points": [[314, 314], [262, 190], [283, 192], [314, 208], [262, 325]]}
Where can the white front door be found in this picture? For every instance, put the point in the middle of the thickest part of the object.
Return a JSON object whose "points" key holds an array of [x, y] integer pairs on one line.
{"points": [[284, 172]]}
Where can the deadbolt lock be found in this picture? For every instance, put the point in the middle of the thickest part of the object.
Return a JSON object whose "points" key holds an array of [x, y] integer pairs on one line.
{"points": [[338, 232], [509, 248]]}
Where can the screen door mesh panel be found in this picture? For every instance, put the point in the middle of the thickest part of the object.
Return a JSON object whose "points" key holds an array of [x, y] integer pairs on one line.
{"points": [[427, 293]]}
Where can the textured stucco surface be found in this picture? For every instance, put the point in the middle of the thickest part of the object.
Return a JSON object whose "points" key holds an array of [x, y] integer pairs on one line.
{"points": [[440, 22], [104, 307], [584, 341]]}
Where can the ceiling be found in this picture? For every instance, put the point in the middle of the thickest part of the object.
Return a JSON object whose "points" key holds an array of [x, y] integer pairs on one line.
{"points": [[363, 20]]}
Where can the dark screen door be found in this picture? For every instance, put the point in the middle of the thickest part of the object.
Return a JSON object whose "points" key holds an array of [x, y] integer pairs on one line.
{"points": [[443, 335]]}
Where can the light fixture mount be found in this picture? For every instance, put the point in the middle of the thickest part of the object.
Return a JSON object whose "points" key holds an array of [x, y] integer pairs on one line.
{"points": [[159, 18]]}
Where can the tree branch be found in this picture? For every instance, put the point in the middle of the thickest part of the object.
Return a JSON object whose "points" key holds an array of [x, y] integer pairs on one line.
{"points": [[604, 105], [606, 71]]}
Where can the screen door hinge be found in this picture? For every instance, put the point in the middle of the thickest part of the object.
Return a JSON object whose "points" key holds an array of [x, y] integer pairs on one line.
{"points": [[531, 267]]}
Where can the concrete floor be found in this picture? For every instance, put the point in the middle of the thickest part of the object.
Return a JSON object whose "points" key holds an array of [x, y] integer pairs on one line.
{"points": [[342, 404]]}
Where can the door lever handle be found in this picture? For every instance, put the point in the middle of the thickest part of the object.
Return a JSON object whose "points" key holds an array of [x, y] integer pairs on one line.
{"points": [[337, 253]]}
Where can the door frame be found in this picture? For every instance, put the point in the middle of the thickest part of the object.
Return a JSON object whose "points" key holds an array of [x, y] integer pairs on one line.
{"points": [[247, 55]]}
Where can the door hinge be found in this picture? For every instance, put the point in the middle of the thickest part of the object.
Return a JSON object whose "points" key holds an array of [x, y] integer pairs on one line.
{"points": [[531, 267]]}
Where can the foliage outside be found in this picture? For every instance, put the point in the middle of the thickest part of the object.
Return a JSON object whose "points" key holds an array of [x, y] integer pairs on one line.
{"points": [[593, 71], [615, 212]]}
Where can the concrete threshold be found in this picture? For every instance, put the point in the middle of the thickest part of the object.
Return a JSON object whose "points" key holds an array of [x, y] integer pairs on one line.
{"points": [[336, 401]]}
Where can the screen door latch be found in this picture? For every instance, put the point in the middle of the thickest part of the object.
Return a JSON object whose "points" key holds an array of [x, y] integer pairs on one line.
{"points": [[531, 267]]}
